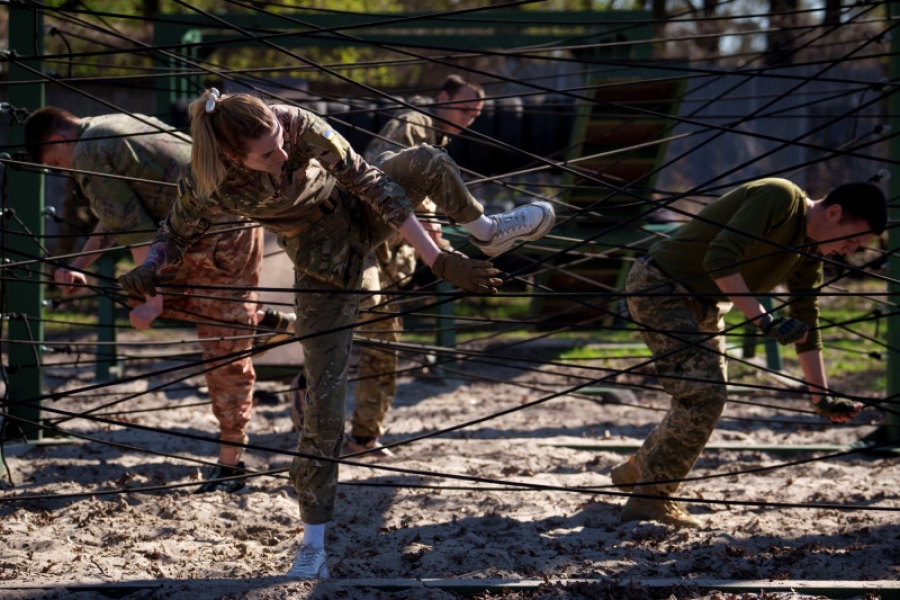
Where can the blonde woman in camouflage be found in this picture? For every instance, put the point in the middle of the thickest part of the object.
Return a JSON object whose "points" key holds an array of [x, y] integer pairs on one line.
{"points": [[287, 169]]}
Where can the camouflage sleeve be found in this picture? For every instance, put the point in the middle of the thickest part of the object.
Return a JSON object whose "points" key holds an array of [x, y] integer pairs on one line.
{"points": [[320, 141], [112, 200], [187, 221], [407, 129]]}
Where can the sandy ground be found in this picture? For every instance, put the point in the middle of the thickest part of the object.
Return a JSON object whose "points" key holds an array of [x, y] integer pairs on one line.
{"points": [[398, 520]]}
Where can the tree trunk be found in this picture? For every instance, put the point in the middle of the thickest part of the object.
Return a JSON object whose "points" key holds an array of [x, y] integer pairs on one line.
{"points": [[151, 7], [780, 46], [832, 13], [659, 18], [710, 45]]}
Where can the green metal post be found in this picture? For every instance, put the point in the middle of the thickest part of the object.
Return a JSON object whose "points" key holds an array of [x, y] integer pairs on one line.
{"points": [[179, 86], [24, 288], [446, 335]]}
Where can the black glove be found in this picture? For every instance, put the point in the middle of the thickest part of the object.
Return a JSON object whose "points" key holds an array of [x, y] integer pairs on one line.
{"points": [[142, 281], [784, 331], [467, 273], [829, 407]]}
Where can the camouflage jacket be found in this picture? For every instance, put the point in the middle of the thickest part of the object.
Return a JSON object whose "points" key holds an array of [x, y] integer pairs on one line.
{"points": [[129, 209], [409, 128], [318, 161]]}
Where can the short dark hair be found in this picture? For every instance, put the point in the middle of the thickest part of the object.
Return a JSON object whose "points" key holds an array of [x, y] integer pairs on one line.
{"points": [[43, 123], [454, 83], [861, 200]]}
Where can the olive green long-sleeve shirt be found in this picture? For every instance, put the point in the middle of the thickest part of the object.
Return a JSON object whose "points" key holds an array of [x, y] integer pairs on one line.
{"points": [[759, 231]]}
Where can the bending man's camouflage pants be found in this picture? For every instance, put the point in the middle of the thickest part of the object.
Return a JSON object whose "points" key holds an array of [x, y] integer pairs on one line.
{"points": [[681, 332], [232, 260], [327, 313]]}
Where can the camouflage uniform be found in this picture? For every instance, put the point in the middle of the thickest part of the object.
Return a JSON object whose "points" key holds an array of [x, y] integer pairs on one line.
{"points": [[132, 210], [753, 230], [408, 129], [392, 262], [695, 376], [329, 209]]}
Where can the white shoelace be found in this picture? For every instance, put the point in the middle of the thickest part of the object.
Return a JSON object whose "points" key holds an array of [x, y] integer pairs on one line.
{"points": [[513, 223], [306, 559]]}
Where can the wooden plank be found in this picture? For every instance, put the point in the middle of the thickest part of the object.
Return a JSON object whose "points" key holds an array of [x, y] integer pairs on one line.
{"points": [[887, 590], [782, 449]]}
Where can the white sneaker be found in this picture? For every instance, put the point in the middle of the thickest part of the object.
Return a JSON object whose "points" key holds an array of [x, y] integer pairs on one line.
{"points": [[524, 224], [309, 564], [373, 449]]}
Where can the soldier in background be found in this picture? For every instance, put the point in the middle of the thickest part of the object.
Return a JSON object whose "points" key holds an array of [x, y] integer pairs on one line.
{"points": [[457, 104], [149, 155]]}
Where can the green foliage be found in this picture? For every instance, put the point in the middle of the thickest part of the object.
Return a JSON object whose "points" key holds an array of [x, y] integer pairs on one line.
{"points": [[585, 5], [138, 8], [104, 43], [354, 63]]}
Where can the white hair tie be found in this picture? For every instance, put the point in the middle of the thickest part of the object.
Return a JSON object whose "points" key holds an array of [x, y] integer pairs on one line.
{"points": [[212, 99]]}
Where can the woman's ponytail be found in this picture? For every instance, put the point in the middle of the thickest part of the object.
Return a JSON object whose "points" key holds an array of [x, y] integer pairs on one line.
{"points": [[221, 126]]}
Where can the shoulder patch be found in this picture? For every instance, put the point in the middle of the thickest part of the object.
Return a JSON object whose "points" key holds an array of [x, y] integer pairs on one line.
{"points": [[319, 133], [185, 189]]}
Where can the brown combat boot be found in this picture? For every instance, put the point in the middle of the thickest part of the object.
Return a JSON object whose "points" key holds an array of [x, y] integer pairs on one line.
{"points": [[659, 509], [625, 475]]}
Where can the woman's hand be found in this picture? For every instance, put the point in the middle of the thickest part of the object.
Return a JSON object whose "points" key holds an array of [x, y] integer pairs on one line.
{"points": [[470, 274], [143, 315], [66, 278], [142, 281]]}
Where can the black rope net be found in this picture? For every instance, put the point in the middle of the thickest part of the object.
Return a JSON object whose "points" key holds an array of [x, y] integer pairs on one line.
{"points": [[817, 115]]}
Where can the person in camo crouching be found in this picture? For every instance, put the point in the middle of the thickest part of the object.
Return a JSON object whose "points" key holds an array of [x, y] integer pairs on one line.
{"points": [[148, 155], [456, 106], [753, 238]]}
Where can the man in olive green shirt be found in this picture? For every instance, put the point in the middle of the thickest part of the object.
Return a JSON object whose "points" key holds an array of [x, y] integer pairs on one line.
{"points": [[760, 235]]}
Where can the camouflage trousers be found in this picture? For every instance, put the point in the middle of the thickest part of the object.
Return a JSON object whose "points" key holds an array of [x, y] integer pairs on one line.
{"points": [[328, 313], [389, 264], [377, 381], [681, 332], [426, 171], [232, 260]]}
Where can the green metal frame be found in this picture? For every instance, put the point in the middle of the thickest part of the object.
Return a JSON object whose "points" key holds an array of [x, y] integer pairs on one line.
{"points": [[625, 239], [108, 367], [889, 433], [197, 35], [24, 290], [832, 589]]}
